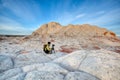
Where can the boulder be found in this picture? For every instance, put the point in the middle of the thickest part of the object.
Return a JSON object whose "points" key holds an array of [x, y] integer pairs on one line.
{"points": [[10, 73], [20, 76], [41, 75], [80, 76], [71, 61], [101, 63], [30, 58], [5, 63]]}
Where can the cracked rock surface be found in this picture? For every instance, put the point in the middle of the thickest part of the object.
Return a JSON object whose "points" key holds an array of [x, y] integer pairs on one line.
{"points": [[28, 62]]}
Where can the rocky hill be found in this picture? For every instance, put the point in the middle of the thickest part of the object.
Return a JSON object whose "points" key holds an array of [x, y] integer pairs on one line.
{"points": [[54, 29], [74, 37]]}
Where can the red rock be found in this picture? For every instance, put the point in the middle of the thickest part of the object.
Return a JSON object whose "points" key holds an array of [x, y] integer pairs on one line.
{"points": [[52, 40], [67, 49], [96, 47]]}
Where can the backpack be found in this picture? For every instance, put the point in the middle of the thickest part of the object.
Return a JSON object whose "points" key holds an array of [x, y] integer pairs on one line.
{"points": [[45, 50], [44, 46]]}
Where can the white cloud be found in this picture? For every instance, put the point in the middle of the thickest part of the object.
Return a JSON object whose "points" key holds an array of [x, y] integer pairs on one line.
{"points": [[20, 9], [68, 18], [6, 20], [9, 26], [80, 16], [107, 18]]}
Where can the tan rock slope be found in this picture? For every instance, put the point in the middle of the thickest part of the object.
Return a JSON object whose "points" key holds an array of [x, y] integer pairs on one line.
{"points": [[47, 29], [84, 30]]}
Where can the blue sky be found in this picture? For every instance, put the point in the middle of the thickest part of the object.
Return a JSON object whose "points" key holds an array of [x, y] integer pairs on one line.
{"points": [[24, 16]]}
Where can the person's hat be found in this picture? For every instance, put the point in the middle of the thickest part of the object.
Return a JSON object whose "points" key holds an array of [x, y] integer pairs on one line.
{"points": [[49, 42]]}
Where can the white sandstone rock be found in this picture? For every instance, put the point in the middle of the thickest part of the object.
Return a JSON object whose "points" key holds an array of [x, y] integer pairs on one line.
{"points": [[51, 67], [5, 63], [30, 58], [80, 76], [55, 55], [10, 73], [20, 76], [41, 75], [71, 61], [101, 63]]}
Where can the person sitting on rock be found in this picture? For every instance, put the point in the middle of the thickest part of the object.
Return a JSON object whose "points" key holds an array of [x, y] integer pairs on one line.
{"points": [[47, 48], [52, 49]]}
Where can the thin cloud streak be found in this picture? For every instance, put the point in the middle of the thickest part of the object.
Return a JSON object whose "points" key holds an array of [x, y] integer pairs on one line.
{"points": [[112, 16], [80, 16], [20, 9]]}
